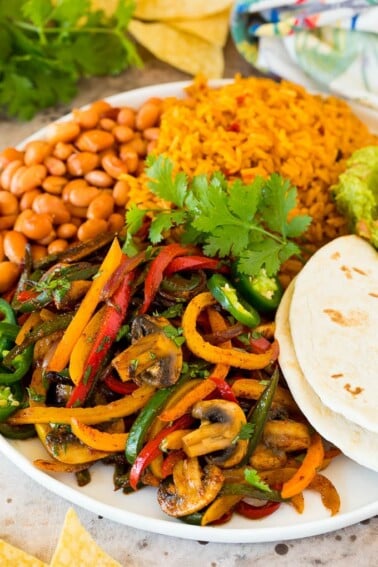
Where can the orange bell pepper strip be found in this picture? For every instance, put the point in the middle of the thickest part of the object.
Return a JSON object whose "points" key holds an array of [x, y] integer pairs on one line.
{"points": [[308, 469], [216, 354], [217, 323], [61, 355], [96, 439], [328, 493], [196, 394], [98, 414]]}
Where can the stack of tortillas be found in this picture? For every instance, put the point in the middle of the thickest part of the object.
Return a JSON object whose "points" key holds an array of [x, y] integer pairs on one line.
{"points": [[327, 328]]}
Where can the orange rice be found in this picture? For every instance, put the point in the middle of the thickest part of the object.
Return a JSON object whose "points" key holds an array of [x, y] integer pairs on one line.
{"points": [[255, 126]]}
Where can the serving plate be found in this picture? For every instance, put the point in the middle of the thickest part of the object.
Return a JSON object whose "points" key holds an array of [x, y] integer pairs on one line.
{"points": [[357, 486]]}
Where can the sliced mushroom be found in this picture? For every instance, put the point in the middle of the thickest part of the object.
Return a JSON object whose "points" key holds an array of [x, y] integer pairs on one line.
{"points": [[229, 457], [153, 358], [190, 488], [287, 435], [221, 421]]}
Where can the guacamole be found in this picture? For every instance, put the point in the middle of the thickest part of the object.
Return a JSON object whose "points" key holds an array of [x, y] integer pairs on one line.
{"points": [[356, 193]]}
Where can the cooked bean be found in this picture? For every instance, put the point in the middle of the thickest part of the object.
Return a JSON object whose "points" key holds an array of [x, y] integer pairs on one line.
{"points": [[151, 134], [2, 253], [62, 150], [126, 117], [27, 178], [121, 193], [7, 221], [99, 178], [27, 199], [62, 132], [123, 133], [113, 165], [36, 152], [38, 251], [136, 145], [14, 246], [67, 230], [54, 184], [8, 155], [55, 166], [91, 228], [9, 273], [76, 212], [151, 146], [74, 183], [101, 207], [8, 203], [83, 196], [148, 115], [37, 226], [95, 140], [81, 163], [107, 124], [52, 206], [57, 245], [86, 117], [115, 222], [19, 221], [101, 107], [130, 157], [46, 240], [76, 220], [8, 173]]}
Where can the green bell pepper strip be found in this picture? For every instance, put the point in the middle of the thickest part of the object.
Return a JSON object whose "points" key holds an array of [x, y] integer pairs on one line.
{"points": [[259, 415], [18, 367], [248, 491], [17, 431], [226, 294], [9, 401], [8, 324], [262, 291], [139, 429]]}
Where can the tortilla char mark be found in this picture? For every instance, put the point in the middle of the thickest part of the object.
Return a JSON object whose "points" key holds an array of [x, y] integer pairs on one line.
{"points": [[354, 391], [348, 272], [354, 318]]}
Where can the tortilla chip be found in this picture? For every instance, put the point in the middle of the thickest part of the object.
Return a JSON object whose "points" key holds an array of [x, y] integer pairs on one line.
{"points": [[11, 556], [172, 9], [185, 51], [77, 547], [213, 28]]}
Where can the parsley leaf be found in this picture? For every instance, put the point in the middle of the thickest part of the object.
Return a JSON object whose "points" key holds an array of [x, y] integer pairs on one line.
{"points": [[247, 222]]}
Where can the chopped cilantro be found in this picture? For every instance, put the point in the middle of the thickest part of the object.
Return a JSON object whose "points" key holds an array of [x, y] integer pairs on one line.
{"points": [[253, 478]]}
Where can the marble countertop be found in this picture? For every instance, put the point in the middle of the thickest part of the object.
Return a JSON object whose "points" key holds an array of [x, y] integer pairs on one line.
{"points": [[31, 517]]}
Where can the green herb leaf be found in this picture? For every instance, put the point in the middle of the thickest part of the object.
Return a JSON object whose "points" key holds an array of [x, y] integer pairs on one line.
{"points": [[253, 478]]}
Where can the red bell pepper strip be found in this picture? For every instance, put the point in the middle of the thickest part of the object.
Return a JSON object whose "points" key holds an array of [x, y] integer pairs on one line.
{"points": [[156, 271], [256, 512], [123, 388], [126, 265], [170, 460], [192, 263], [114, 315], [152, 449], [224, 389], [260, 345]]}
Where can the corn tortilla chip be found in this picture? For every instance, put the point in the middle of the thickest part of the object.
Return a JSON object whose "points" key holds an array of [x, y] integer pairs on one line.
{"points": [[185, 51], [213, 29], [77, 547], [11, 556], [180, 9]]}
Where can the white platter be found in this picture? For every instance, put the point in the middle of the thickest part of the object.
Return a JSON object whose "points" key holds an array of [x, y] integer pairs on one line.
{"points": [[357, 486]]}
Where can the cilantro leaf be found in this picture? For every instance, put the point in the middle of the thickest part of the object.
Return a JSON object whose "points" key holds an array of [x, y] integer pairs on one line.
{"points": [[162, 182], [246, 431], [253, 478], [247, 222]]}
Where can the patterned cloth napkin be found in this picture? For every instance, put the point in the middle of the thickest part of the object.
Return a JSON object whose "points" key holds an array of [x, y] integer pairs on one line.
{"points": [[328, 45]]}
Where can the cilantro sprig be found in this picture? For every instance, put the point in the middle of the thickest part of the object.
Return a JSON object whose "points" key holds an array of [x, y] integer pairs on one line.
{"points": [[247, 222], [46, 46]]}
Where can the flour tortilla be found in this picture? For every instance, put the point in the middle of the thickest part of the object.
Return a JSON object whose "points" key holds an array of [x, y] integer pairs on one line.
{"points": [[334, 325], [354, 441]]}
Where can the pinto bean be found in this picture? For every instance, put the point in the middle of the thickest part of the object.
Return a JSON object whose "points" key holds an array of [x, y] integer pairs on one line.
{"points": [[8, 173], [9, 273], [91, 228], [27, 178], [148, 115], [99, 178], [113, 166], [101, 207], [82, 163], [83, 196], [8, 203], [36, 152], [52, 206], [14, 246], [95, 140], [62, 132], [8, 155]]}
